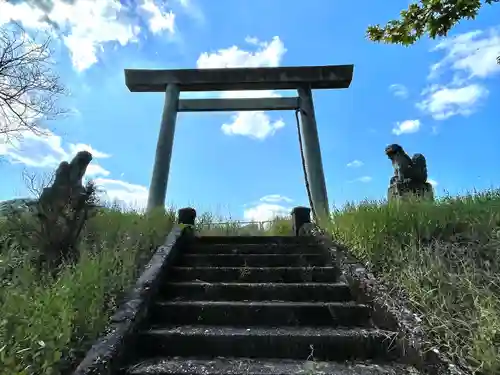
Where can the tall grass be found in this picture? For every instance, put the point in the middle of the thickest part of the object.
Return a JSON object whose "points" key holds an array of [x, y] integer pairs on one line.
{"points": [[445, 257], [208, 224], [48, 322]]}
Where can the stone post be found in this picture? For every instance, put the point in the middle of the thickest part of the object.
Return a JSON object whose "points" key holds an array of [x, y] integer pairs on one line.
{"points": [[161, 168], [312, 155], [186, 215], [300, 216]]}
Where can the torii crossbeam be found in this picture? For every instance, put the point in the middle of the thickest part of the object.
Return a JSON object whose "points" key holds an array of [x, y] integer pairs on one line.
{"points": [[302, 78]]}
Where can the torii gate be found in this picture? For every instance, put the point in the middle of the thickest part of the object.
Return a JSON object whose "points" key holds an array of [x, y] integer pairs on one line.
{"points": [[303, 79]]}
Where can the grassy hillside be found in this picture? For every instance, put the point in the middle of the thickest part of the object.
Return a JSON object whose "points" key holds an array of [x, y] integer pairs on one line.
{"points": [[445, 256], [445, 259]]}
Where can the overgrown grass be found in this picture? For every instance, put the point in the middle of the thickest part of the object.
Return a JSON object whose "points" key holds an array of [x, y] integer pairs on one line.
{"points": [[211, 225], [445, 259], [445, 256], [48, 322]]}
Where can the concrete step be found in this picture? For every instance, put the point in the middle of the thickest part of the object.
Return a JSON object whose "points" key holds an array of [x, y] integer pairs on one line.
{"points": [[300, 292], [255, 274], [322, 343], [252, 260], [250, 248], [282, 240], [262, 314], [249, 366]]}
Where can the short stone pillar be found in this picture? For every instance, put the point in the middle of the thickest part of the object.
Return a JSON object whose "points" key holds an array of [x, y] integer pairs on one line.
{"points": [[409, 189], [186, 216], [300, 216]]}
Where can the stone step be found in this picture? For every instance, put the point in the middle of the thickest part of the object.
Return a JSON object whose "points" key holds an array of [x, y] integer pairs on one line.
{"points": [[281, 240], [250, 366], [259, 248], [251, 260], [255, 274], [322, 343], [262, 314], [300, 292]]}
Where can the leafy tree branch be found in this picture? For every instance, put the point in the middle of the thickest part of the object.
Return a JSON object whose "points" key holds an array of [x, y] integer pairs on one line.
{"points": [[433, 17]]}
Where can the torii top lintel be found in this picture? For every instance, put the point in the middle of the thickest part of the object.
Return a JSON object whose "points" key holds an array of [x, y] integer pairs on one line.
{"points": [[278, 78]]}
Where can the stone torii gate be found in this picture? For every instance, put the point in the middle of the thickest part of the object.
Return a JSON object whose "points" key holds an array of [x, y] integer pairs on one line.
{"points": [[303, 79]]}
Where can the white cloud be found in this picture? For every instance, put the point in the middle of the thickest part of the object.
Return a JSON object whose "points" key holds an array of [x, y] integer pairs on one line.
{"points": [[268, 55], [363, 179], [473, 54], [275, 198], [77, 147], [192, 9], [160, 20], [406, 127], [268, 207], [444, 102], [31, 17], [47, 151], [95, 169], [26, 101], [87, 26], [125, 193], [265, 212], [355, 164], [256, 124], [470, 58], [434, 183], [399, 90]]}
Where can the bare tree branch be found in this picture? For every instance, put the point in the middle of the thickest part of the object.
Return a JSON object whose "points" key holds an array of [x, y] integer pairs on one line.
{"points": [[29, 88], [35, 182]]}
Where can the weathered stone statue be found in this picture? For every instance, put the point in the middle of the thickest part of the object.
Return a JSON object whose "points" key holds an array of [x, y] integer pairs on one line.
{"points": [[410, 175], [67, 185], [63, 209]]}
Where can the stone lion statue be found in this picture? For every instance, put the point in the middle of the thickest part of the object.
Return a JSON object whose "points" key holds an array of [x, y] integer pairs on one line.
{"points": [[410, 174]]}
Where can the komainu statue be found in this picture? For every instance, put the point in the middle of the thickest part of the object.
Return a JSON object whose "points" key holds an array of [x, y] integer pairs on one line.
{"points": [[63, 208], [67, 187], [410, 175]]}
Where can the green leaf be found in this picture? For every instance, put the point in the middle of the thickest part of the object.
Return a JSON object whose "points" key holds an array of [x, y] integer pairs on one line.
{"points": [[433, 17]]}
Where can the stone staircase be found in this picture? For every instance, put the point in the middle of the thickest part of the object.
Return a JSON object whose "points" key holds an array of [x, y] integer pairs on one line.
{"points": [[258, 305]]}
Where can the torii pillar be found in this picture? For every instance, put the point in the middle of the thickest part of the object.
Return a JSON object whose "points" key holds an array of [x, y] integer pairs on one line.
{"points": [[304, 79]]}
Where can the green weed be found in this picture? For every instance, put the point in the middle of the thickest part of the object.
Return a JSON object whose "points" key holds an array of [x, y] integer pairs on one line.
{"points": [[445, 256]]}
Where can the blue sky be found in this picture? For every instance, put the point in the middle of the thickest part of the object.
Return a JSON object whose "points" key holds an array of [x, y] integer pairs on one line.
{"points": [[439, 98]]}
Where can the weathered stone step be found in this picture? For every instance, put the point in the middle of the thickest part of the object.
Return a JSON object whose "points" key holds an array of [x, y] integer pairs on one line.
{"points": [[256, 274], [284, 342], [262, 314], [300, 292], [249, 366], [252, 260], [253, 240], [264, 248]]}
